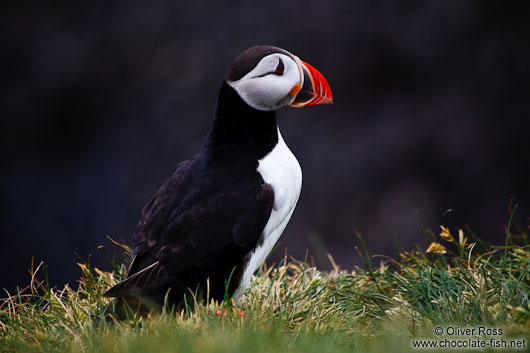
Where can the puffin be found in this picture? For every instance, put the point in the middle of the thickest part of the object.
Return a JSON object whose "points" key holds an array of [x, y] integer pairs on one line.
{"points": [[216, 218]]}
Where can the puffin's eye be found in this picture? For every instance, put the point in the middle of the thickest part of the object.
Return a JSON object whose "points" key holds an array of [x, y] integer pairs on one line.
{"points": [[279, 68]]}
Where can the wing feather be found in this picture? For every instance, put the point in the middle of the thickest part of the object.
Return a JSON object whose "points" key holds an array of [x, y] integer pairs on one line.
{"points": [[139, 283]]}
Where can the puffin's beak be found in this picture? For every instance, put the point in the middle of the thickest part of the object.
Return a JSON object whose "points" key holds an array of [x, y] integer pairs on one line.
{"points": [[314, 88]]}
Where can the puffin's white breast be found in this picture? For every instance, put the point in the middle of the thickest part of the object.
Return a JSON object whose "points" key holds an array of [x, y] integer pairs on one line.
{"points": [[281, 170]]}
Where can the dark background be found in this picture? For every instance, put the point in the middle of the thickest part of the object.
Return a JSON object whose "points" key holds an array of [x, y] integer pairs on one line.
{"points": [[101, 100]]}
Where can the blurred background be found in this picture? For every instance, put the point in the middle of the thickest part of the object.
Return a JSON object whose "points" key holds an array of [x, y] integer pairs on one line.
{"points": [[101, 100]]}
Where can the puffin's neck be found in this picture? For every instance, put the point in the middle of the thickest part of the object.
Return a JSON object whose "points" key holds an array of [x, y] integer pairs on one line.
{"points": [[239, 133]]}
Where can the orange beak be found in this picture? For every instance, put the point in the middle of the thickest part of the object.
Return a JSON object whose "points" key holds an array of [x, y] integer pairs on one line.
{"points": [[314, 88]]}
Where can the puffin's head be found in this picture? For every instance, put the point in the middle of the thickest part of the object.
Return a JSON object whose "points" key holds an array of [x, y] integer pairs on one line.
{"points": [[268, 78]]}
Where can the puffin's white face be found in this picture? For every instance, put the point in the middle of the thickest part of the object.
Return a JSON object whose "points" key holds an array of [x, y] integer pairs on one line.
{"points": [[272, 84]]}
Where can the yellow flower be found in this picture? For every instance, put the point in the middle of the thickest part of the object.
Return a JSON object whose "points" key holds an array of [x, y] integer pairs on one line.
{"points": [[446, 235], [436, 248]]}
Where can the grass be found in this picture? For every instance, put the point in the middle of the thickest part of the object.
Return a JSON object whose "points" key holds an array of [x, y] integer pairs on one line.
{"points": [[292, 307]]}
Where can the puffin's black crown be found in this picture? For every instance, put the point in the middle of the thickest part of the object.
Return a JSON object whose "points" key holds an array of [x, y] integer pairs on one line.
{"points": [[248, 60]]}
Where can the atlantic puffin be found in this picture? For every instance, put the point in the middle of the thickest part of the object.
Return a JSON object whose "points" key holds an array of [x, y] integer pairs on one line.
{"points": [[214, 221]]}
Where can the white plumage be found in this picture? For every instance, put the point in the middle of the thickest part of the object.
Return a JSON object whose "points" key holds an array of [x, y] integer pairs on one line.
{"points": [[281, 170]]}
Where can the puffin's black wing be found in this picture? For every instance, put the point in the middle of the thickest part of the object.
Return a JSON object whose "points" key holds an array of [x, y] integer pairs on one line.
{"points": [[200, 224]]}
